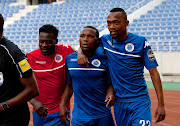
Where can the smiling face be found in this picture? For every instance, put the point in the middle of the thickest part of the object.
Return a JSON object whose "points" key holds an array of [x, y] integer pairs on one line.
{"points": [[47, 43], [88, 39], [117, 25]]}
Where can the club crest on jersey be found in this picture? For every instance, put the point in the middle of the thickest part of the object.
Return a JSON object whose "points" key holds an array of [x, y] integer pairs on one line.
{"points": [[129, 47], [58, 58], [150, 55], [1, 78], [96, 63]]}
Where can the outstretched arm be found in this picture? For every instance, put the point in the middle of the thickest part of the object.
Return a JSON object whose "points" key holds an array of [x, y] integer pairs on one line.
{"points": [[63, 113], [29, 92], [160, 111]]}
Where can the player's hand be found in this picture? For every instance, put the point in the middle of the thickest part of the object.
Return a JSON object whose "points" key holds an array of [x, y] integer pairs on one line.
{"points": [[40, 109], [110, 99], [63, 114], [82, 59], [160, 114]]}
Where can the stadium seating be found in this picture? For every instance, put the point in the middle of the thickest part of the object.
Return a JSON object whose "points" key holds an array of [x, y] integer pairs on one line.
{"points": [[69, 17], [163, 24], [160, 26], [8, 11]]}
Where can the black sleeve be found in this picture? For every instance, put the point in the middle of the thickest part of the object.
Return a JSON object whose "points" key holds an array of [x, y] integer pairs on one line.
{"points": [[20, 61]]}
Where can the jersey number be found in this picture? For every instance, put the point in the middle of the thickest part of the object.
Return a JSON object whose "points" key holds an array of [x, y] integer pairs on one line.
{"points": [[143, 122]]}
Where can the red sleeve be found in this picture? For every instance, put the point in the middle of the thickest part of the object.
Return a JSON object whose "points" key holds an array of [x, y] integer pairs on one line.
{"points": [[28, 56], [71, 49]]}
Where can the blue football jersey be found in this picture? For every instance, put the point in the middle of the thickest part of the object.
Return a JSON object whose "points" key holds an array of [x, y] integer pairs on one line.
{"points": [[89, 86], [126, 61]]}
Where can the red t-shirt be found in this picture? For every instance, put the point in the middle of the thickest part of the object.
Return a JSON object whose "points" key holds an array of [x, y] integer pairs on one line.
{"points": [[50, 75]]}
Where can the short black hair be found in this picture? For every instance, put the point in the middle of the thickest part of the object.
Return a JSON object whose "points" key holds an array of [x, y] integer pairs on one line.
{"points": [[97, 32], [49, 29], [1, 22], [119, 10]]}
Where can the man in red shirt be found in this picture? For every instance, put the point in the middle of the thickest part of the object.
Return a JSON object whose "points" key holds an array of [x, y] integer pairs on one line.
{"points": [[48, 64]]}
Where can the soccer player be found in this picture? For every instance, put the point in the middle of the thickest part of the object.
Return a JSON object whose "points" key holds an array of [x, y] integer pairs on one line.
{"points": [[127, 55], [48, 64], [93, 92], [17, 83]]}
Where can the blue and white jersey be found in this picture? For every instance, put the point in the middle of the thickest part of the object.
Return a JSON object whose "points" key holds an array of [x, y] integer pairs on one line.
{"points": [[89, 86], [126, 61]]}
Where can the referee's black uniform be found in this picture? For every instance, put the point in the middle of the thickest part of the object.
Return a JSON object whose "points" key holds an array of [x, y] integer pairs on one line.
{"points": [[11, 69]]}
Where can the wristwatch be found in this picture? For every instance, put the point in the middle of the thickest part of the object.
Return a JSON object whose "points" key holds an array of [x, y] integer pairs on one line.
{"points": [[4, 105]]}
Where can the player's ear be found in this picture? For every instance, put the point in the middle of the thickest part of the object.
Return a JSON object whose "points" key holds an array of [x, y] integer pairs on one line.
{"points": [[127, 22], [98, 40]]}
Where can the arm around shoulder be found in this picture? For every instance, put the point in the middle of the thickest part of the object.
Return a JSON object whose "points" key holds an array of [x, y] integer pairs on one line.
{"points": [[82, 59]]}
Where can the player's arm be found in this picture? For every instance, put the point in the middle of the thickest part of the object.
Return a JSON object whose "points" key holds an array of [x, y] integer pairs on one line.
{"points": [[160, 111], [39, 107], [110, 98], [63, 113], [29, 92], [82, 59], [151, 64]]}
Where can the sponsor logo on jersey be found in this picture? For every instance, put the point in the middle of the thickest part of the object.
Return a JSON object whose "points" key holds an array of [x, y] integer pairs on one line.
{"points": [[150, 55], [96, 63], [1, 78], [24, 65], [58, 58], [146, 44], [129, 47], [73, 59], [40, 62], [108, 41]]}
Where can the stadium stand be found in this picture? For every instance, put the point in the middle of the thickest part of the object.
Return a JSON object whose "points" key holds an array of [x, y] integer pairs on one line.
{"points": [[69, 17], [6, 10], [160, 25]]}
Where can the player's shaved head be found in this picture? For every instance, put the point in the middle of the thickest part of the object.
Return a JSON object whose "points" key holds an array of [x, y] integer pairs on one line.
{"points": [[97, 32], [120, 10]]}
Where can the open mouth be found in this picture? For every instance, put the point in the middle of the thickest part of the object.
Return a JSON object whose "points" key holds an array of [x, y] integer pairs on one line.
{"points": [[85, 45], [44, 50], [113, 32]]}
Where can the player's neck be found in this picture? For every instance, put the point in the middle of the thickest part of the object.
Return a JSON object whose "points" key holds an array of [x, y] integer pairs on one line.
{"points": [[122, 37], [89, 53]]}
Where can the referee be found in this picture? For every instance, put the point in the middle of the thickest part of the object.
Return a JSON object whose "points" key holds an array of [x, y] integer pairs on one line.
{"points": [[18, 84]]}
